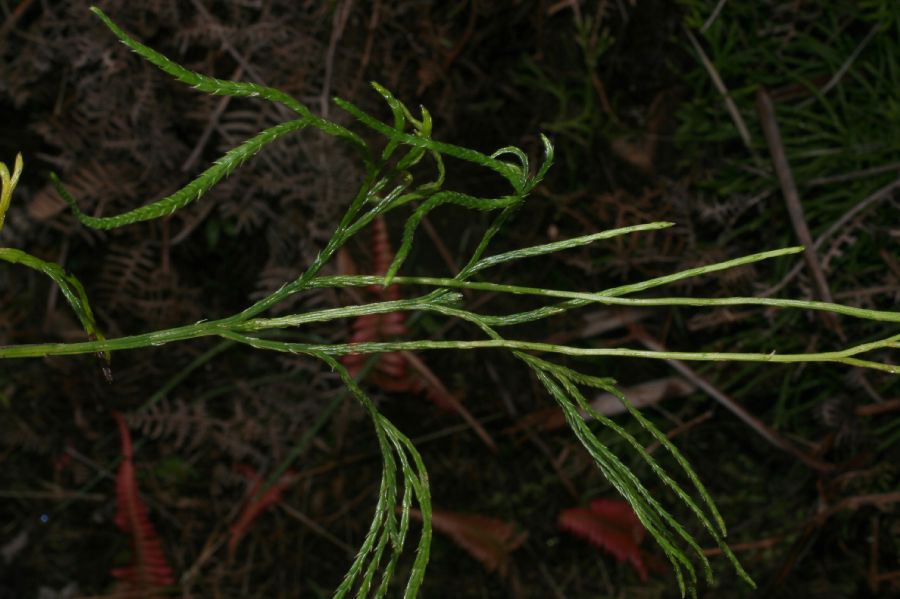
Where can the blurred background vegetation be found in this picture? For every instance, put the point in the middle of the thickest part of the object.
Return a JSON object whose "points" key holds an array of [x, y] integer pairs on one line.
{"points": [[653, 107]]}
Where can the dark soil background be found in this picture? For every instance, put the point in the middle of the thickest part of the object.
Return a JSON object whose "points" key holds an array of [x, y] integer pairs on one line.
{"points": [[641, 134]]}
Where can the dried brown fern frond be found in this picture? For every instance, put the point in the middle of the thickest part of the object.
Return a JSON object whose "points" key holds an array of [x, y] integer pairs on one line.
{"points": [[127, 274], [248, 214], [170, 302], [725, 212], [135, 280], [106, 186], [241, 123], [270, 278], [186, 425], [632, 256], [255, 422], [734, 281], [17, 434], [202, 32]]}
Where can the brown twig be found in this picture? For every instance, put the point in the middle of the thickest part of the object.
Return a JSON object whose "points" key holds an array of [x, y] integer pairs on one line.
{"points": [[439, 70], [316, 528], [851, 503], [880, 500], [338, 23], [371, 27], [757, 425], [213, 543], [849, 62], [14, 17], [466, 36], [55, 493], [760, 544], [416, 364], [713, 16], [681, 428], [888, 576], [769, 123], [851, 176], [877, 196], [873, 555], [210, 125], [534, 438], [446, 256], [873, 409], [723, 91], [890, 262]]}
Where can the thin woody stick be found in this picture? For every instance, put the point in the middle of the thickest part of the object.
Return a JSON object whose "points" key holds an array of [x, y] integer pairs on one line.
{"points": [[735, 408], [726, 96], [770, 128]]}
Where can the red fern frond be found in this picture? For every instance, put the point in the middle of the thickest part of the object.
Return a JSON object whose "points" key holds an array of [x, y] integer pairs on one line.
{"points": [[378, 327], [489, 540], [382, 256], [612, 525], [256, 503], [150, 569], [401, 372]]}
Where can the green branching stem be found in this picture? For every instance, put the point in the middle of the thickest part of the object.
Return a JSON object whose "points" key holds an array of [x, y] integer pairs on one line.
{"points": [[227, 326], [446, 197], [190, 192], [200, 82], [69, 286], [388, 185], [603, 297], [837, 356], [221, 87], [564, 244], [384, 531]]}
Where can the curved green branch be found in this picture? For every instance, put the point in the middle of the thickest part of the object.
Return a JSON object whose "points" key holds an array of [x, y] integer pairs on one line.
{"points": [[194, 190], [69, 286]]}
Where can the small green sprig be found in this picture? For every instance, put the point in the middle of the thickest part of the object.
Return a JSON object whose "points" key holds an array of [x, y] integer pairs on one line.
{"points": [[69, 285], [8, 185]]}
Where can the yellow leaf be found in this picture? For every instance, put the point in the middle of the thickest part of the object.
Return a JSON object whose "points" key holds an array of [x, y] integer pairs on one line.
{"points": [[7, 185]]}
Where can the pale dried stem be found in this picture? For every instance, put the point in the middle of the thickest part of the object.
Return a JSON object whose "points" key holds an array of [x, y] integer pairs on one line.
{"points": [[726, 96], [881, 194], [731, 405], [771, 130]]}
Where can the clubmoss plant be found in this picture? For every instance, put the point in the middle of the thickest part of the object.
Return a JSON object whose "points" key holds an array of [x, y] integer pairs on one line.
{"points": [[387, 185]]}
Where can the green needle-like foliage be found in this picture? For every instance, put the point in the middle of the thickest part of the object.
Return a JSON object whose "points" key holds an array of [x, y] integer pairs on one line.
{"points": [[388, 185], [190, 192], [69, 285]]}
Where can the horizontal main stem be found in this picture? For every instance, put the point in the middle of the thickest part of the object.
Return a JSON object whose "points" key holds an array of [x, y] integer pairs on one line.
{"points": [[381, 347], [154, 339], [605, 297], [234, 324]]}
